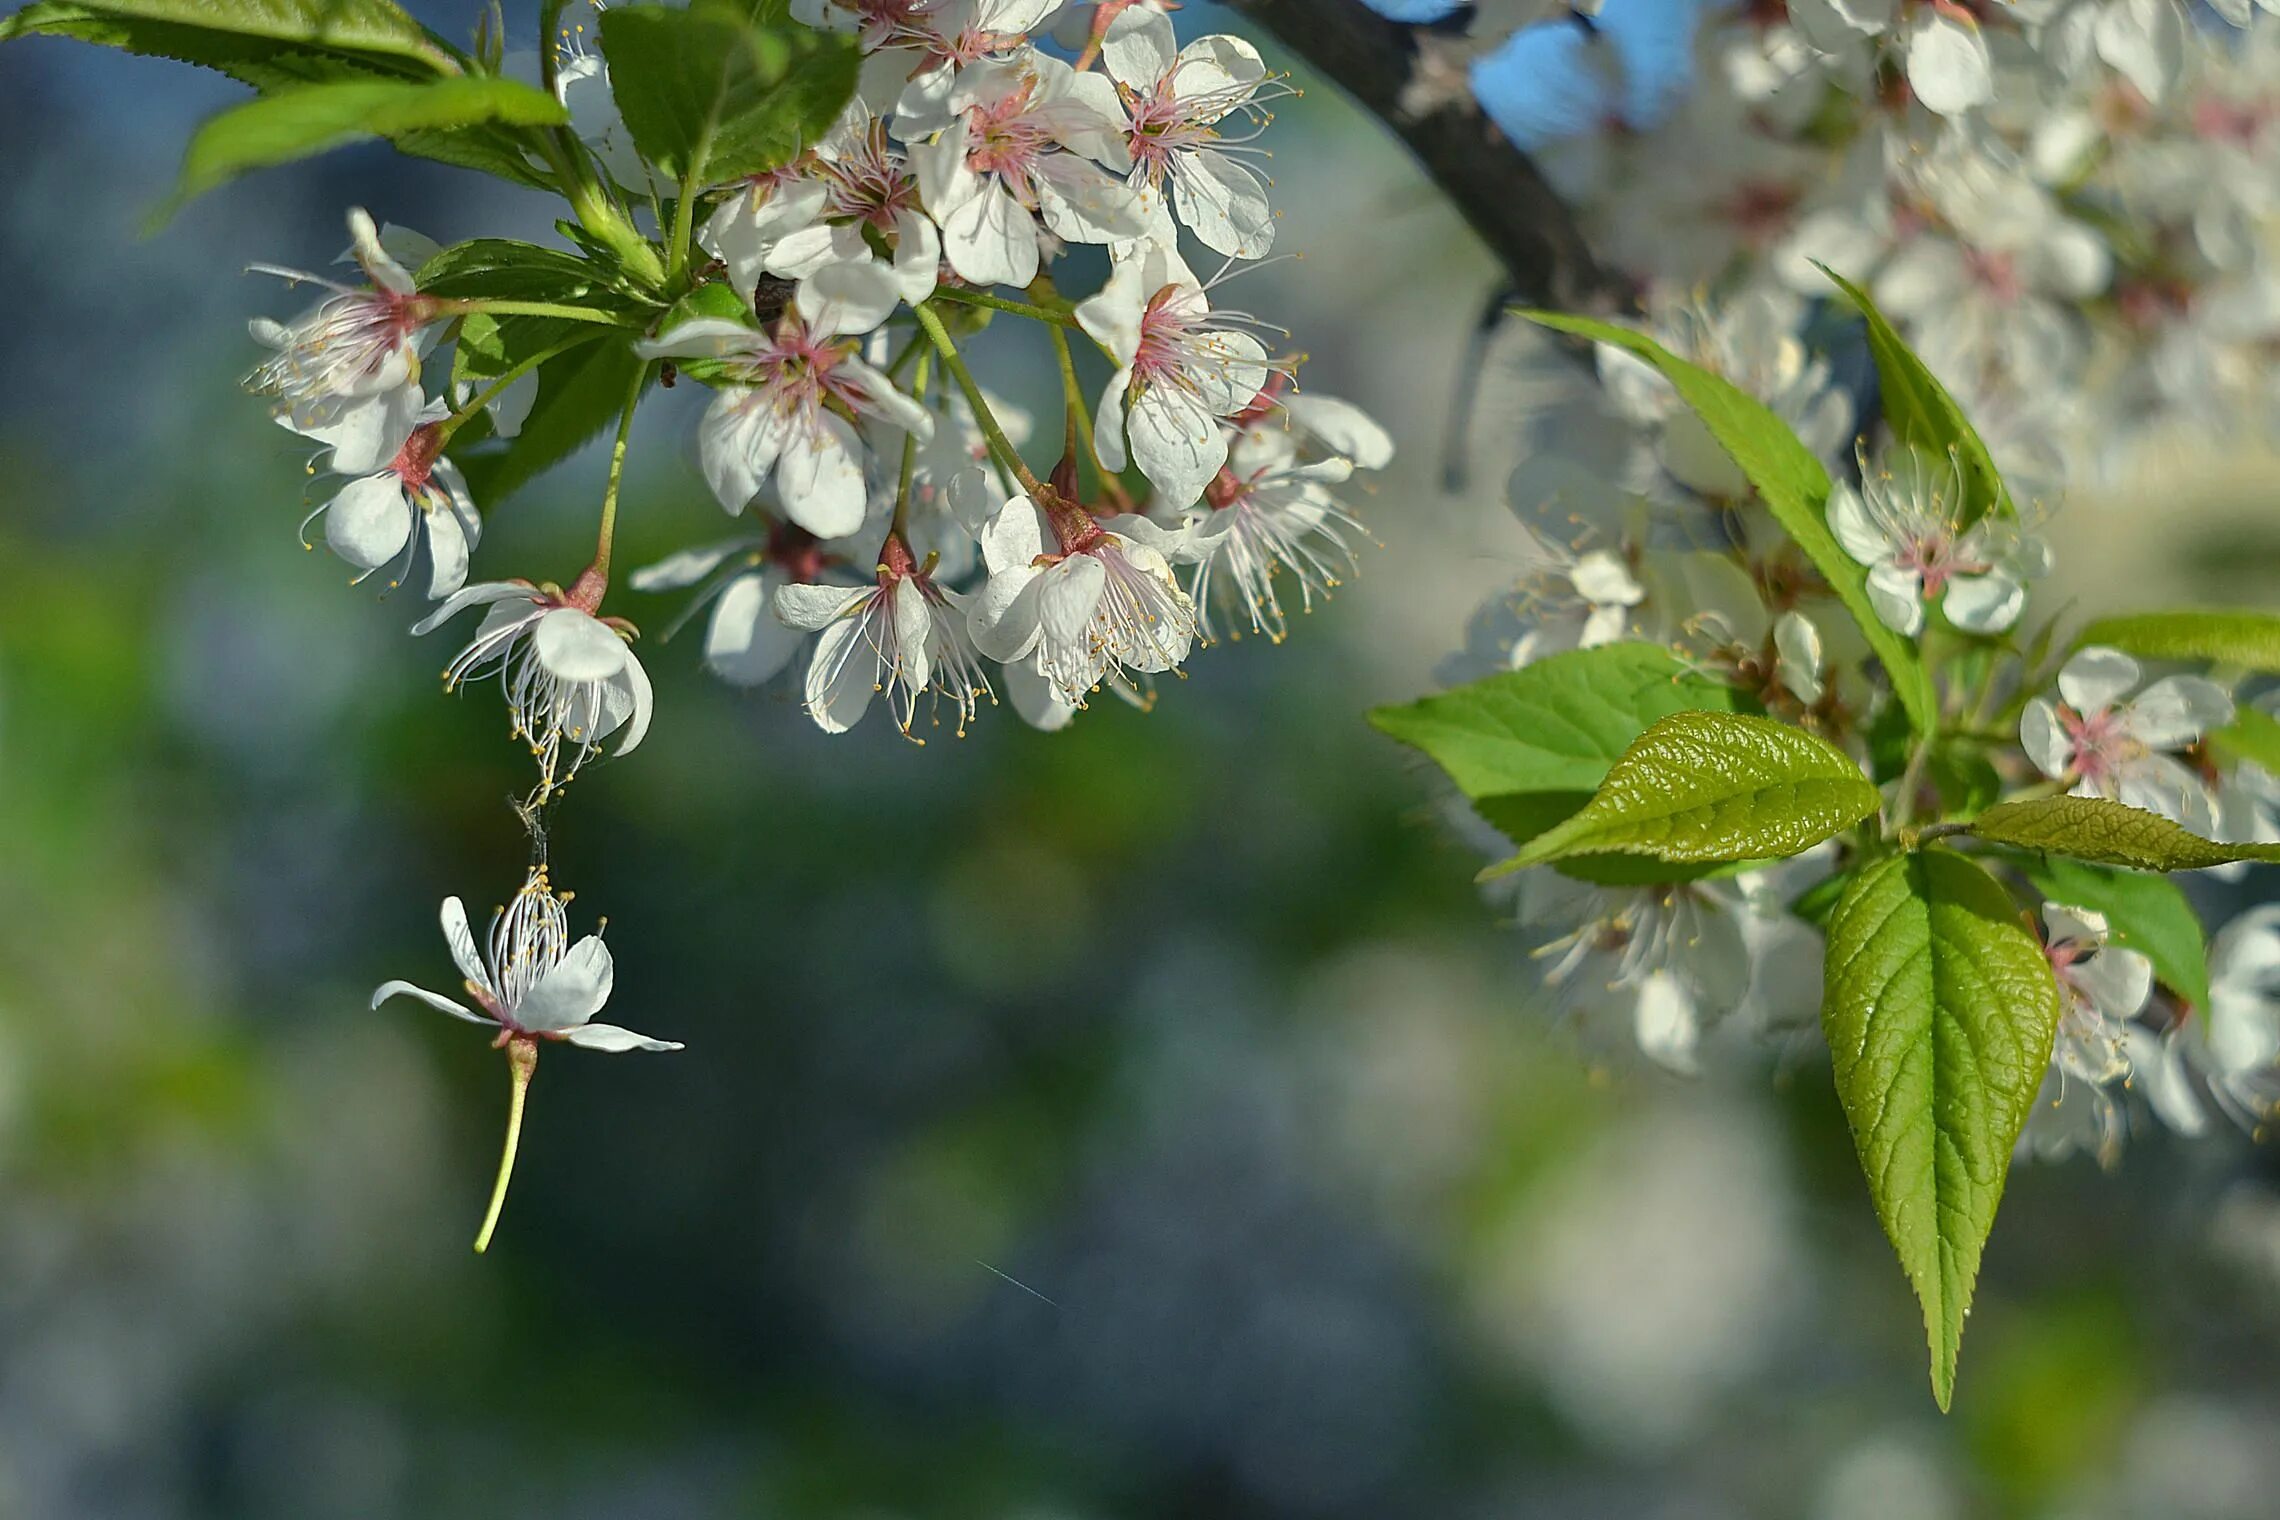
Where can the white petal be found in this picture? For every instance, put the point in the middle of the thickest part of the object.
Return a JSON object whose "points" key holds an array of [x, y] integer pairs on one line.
{"points": [[1984, 603], [2176, 710], [1140, 48], [611, 1038], [843, 299], [1855, 529], [435, 1000], [842, 678], [1344, 428], [744, 645], [819, 475], [369, 522], [1948, 65], [1002, 619], [1177, 444], [2145, 41], [576, 646], [808, 607], [571, 993], [461, 939], [2044, 739], [1224, 204], [1898, 597], [2096, 678], [631, 702]]}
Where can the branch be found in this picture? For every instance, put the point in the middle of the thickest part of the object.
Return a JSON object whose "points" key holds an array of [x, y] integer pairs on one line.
{"points": [[1496, 187]]}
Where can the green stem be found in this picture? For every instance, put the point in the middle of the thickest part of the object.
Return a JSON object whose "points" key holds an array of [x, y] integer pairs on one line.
{"points": [[1000, 445], [491, 393], [1058, 317], [1911, 780], [522, 1060], [919, 377], [543, 309], [606, 537]]}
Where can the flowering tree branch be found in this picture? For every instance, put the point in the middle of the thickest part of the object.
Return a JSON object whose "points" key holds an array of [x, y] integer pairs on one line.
{"points": [[1492, 183]]}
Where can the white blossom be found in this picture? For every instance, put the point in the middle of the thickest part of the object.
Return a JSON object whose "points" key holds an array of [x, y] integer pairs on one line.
{"points": [[418, 499], [2123, 750], [1182, 102], [1906, 523], [530, 981], [570, 680]]}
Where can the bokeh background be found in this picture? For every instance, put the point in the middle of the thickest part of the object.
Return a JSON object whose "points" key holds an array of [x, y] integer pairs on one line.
{"points": [[1144, 1121]]}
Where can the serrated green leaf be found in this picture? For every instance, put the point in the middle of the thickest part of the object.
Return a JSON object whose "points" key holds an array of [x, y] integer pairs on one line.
{"points": [[1920, 410], [579, 394], [1712, 787], [2253, 735], [2250, 640], [1794, 486], [308, 119], [1940, 1010], [263, 42], [2110, 833], [2145, 913], [711, 97], [486, 150], [1555, 725]]}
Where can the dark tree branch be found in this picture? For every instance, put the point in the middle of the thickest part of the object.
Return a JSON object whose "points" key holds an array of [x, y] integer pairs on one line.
{"points": [[1496, 187]]}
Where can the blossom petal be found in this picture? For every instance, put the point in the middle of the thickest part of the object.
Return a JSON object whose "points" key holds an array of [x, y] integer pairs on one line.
{"points": [[570, 993], [744, 645], [611, 1038], [2176, 710], [435, 1000], [577, 646], [369, 522], [809, 607], [2096, 678]]}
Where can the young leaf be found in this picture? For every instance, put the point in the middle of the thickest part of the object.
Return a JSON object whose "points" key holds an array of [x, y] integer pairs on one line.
{"points": [[710, 97], [1555, 725], [502, 269], [1922, 412], [1940, 1010], [2111, 833], [1521, 816], [2253, 735], [579, 394], [263, 42], [2145, 913], [1700, 786], [310, 118], [2247, 639], [1795, 488]]}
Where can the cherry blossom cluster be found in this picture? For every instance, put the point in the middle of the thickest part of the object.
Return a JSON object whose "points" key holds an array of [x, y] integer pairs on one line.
{"points": [[890, 540], [2067, 205], [2068, 212]]}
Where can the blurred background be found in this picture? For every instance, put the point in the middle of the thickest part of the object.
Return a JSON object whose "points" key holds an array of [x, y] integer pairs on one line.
{"points": [[1142, 1121]]}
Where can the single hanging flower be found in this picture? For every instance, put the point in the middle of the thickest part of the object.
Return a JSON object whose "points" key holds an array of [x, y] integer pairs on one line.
{"points": [[2101, 989], [1181, 102], [746, 644], [1103, 606], [530, 984], [346, 371], [899, 635], [1906, 524], [2122, 749], [570, 680], [1269, 512], [419, 498], [1181, 370], [779, 421]]}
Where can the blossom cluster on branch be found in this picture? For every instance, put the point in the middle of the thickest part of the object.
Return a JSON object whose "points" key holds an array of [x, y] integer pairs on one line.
{"points": [[809, 207]]}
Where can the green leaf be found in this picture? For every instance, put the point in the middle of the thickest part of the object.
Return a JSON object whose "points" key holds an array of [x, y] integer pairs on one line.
{"points": [[1712, 787], [2145, 913], [308, 119], [2253, 735], [2111, 833], [1795, 488], [267, 43], [1921, 411], [1521, 816], [579, 394], [710, 97], [2247, 639], [1940, 1010], [502, 269], [1555, 725], [486, 150]]}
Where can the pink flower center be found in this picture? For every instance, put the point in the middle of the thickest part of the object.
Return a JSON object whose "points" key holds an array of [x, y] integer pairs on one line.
{"points": [[1997, 273], [870, 185], [1167, 324], [1006, 137], [2101, 743], [415, 461], [1933, 556]]}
